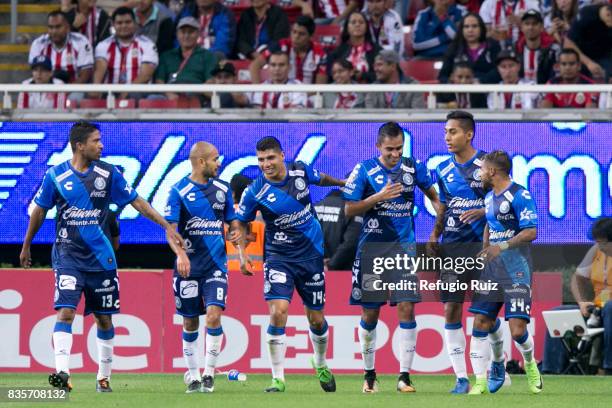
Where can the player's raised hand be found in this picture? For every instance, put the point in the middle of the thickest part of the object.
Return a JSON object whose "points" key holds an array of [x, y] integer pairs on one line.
{"points": [[25, 259], [390, 191], [183, 266], [472, 215]]}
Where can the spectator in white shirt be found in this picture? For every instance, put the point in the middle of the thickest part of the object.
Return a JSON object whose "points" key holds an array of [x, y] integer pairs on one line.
{"points": [[70, 53], [509, 67], [278, 64], [503, 18], [124, 57], [42, 73]]}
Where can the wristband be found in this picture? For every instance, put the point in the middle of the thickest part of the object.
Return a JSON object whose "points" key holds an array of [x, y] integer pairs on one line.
{"points": [[503, 245]]}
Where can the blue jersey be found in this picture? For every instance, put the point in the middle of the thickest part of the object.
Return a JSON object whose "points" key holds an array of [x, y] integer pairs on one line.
{"points": [[293, 232], [507, 214], [388, 221], [82, 222], [461, 190], [200, 211]]}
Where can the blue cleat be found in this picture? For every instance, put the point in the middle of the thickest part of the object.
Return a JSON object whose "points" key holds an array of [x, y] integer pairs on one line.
{"points": [[497, 376], [462, 386]]}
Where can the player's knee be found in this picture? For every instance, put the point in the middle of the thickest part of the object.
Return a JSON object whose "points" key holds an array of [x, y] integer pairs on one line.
{"points": [[370, 316], [483, 323], [278, 316], [191, 324], [104, 322], [66, 315], [452, 312], [517, 332], [213, 319], [405, 311], [316, 320]]}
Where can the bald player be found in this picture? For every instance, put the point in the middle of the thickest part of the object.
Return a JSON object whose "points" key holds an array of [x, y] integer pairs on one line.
{"points": [[198, 205]]}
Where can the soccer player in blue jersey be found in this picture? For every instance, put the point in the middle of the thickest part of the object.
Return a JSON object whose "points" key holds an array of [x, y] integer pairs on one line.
{"points": [[383, 190], [293, 252], [460, 221], [199, 205], [83, 258], [511, 227]]}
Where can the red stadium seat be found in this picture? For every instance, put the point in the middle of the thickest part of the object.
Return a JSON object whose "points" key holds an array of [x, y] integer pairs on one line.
{"points": [[92, 103], [243, 76], [191, 102], [328, 35], [421, 70], [158, 104]]}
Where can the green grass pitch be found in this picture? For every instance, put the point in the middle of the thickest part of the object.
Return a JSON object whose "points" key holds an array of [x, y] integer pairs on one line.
{"points": [[167, 390]]}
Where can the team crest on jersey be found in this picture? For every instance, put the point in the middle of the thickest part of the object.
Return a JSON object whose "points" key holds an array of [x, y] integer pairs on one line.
{"points": [[504, 207], [408, 179], [267, 287], [106, 282], [177, 302], [356, 293], [217, 273], [477, 173], [300, 184], [100, 183], [220, 196]]}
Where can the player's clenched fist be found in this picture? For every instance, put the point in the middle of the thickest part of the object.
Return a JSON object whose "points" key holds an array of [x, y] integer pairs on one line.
{"points": [[25, 259]]}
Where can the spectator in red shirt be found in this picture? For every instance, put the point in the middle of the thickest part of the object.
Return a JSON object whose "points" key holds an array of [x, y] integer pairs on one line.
{"points": [[537, 49], [358, 47], [307, 59], [569, 63]]}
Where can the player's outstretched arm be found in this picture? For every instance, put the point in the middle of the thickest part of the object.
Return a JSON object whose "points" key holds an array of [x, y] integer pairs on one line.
{"points": [[144, 208], [329, 181], [183, 266], [36, 220], [388, 192]]}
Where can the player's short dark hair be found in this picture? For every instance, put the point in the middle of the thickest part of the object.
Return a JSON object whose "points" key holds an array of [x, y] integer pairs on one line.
{"points": [[80, 132], [500, 160], [465, 119], [122, 11], [58, 13], [602, 229], [238, 184], [462, 65], [389, 130], [570, 51], [269, 143], [306, 22], [277, 52], [344, 63]]}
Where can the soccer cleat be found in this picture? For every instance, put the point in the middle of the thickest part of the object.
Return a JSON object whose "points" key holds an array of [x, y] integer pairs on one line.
{"points": [[325, 376], [60, 380], [103, 385], [370, 383], [534, 379], [480, 387], [208, 383], [404, 384], [497, 376], [462, 386], [194, 386], [276, 386]]}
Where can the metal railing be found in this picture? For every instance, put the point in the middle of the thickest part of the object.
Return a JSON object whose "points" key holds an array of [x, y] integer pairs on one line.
{"points": [[604, 90]]}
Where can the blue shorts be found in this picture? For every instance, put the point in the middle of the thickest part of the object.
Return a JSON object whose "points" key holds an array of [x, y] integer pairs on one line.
{"points": [[512, 275], [193, 295], [101, 289], [367, 293], [280, 278]]}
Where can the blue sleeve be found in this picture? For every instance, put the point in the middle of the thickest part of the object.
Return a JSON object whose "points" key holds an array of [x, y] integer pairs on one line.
{"points": [[247, 207], [424, 33], [355, 184], [46, 195], [312, 174], [524, 207], [172, 211], [229, 214], [121, 192], [441, 193], [423, 177], [225, 33]]}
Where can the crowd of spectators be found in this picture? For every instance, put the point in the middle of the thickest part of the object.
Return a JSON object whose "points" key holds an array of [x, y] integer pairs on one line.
{"points": [[275, 41]]}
